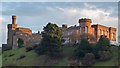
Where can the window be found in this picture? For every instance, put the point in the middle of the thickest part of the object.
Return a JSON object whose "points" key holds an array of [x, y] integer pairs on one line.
{"points": [[99, 31], [112, 35], [26, 35], [77, 31], [106, 33], [21, 34], [86, 29], [94, 33], [102, 32], [69, 33], [80, 29]]}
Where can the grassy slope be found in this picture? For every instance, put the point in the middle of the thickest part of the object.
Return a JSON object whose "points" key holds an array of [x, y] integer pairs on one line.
{"points": [[32, 59], [113, 61]]}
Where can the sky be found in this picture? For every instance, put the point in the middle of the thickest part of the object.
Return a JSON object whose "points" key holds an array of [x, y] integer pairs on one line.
{"points": [[35, 15]]}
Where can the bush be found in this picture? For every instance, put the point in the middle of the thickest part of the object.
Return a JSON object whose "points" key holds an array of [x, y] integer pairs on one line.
{"points": [[20, 42], [104, 55], [35, 46], [29, 48], [88, 60], [102, 45], [21, 57], [83, 48], [40, 50]]}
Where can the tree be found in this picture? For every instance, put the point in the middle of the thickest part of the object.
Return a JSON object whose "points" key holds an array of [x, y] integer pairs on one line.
{"points": [[20, 42], [102, 45], [52, 40], [83, 48], [75, 37]]}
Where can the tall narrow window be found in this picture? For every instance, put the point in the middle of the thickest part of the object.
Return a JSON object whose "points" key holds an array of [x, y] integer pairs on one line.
{"points": [[77, 31], [106, 33], [80, 29], [112, 35], [86, 29], [102, 32], [99, 31]]}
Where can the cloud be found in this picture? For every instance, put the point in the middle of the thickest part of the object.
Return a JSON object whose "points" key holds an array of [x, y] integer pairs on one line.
{"points": [[37, 15], [89, 6]]}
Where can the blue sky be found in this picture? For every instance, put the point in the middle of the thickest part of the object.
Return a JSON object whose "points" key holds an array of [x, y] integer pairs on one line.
{"points": [[35, 15]]}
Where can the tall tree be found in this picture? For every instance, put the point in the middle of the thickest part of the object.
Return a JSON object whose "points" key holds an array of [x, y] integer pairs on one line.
{"points": [[52, 40], [83, 48]]}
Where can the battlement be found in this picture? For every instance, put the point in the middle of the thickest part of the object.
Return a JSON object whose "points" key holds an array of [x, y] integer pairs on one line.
{"points": [[85, 20]]}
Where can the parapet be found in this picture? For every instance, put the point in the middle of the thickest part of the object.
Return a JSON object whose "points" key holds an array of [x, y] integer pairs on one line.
{"points": [[85, 20]]}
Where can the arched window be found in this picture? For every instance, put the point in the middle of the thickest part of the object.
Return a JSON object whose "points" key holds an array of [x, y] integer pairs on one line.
{"points": [[112, 35], [106, 33], [80, 29], [102, 32], [86, 29], [99, 32], [77, 31]]}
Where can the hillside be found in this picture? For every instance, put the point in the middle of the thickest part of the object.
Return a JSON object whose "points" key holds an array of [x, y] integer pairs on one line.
{"points": [[32, 59]]}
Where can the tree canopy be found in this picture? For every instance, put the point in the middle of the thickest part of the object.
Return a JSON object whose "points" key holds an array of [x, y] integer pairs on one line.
{"points": [[52, 40]]}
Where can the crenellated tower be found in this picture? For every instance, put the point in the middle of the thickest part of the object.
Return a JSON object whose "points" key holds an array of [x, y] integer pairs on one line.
{"points": [[11, 30], [85, 26]]}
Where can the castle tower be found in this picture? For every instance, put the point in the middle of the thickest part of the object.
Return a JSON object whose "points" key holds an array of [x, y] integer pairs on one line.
{"points": [[11, 30], [85, 25], [13, 19]]}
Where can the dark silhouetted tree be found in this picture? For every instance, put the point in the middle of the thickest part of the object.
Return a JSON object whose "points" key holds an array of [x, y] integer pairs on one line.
{"points": [[52, 40]]}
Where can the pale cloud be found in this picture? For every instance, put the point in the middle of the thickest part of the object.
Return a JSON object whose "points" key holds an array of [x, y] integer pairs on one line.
{"points": [[37, 15], [89, 6]]}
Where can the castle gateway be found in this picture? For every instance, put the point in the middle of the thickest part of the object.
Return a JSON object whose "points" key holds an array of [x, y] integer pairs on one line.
{"points": [[71, 34]]}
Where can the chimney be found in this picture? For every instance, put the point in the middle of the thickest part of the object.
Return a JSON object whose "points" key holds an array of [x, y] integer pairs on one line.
{"points": [[13, 19], [75, 25], [38, 32], [64, 26]]}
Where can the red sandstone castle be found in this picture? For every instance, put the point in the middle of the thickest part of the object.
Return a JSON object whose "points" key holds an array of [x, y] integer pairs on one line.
{"points": [[71, 34]]}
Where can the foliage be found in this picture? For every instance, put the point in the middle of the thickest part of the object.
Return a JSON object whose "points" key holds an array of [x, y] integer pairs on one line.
{"points": [[28, 48], [52, 40], [102, 45], [83, 48], [20, 42], [88, 36]]}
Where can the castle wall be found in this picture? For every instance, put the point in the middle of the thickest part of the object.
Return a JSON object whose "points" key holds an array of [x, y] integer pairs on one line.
{"points": [[28, 39]]}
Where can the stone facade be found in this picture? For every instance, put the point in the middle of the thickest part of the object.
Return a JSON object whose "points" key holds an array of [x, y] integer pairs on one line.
{"points": [[71, 34], [24, 33], [85, 27]]}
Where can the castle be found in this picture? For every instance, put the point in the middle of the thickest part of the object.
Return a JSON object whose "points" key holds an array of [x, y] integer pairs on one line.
{"points": [[24, 33], [85, 27]]}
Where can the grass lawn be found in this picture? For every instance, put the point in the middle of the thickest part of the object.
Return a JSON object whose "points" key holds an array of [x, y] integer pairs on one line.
{"points": [[113, 61], [32, 59]]}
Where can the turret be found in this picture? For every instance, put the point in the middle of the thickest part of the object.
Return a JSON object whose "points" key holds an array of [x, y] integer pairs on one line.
{"points": [[85, 25], [13, 19]]}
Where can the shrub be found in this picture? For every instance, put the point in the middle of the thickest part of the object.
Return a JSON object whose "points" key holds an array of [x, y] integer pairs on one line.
{"points": [[12, 54], [104, 55], [21, 57], [35, 46], [102, 45], [88, 60], [20, 42], [83, 48], [40, 50], [29, 48]]}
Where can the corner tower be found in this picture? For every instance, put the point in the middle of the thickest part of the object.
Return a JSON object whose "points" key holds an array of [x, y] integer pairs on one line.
{"points": [[85, 25], [11, 31]]}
